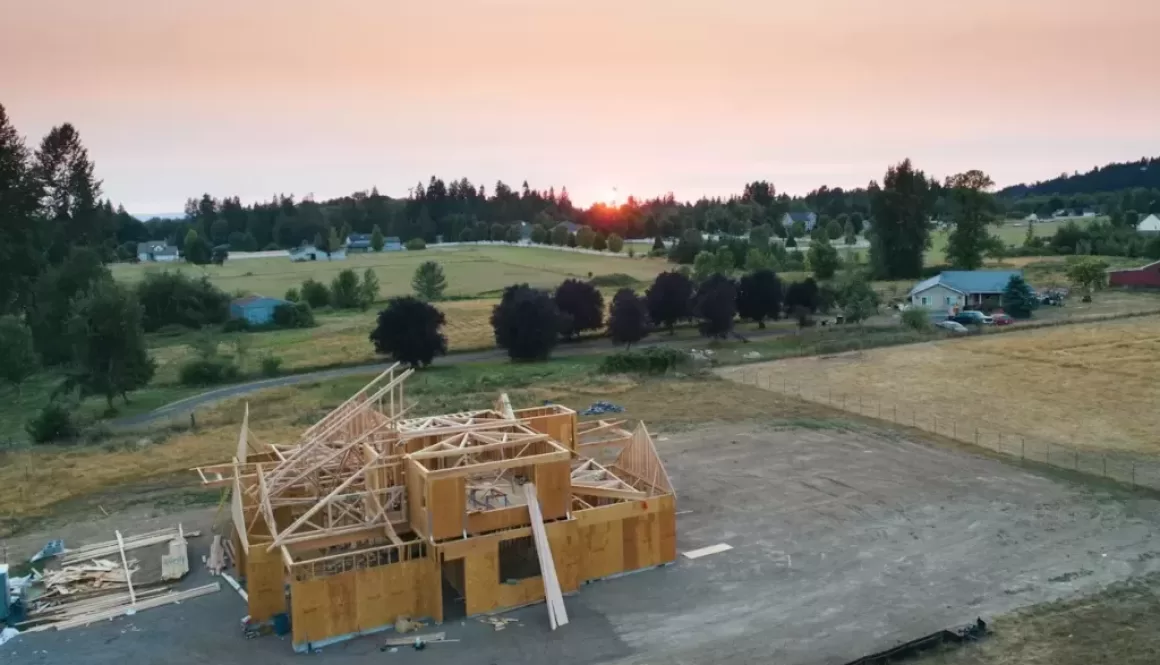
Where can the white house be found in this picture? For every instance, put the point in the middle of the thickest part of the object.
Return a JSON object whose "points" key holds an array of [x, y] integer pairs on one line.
{"points": [[156, 251], [955, 290], [312, 253], [809, 219], [1150, 223]]}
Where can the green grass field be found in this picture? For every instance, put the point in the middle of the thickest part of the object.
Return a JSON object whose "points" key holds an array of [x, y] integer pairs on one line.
{"points": [[1008, 232], [470, 271]]}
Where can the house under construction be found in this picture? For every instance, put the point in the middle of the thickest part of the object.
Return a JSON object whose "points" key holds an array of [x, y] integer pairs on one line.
{"points": [[373, 515]]}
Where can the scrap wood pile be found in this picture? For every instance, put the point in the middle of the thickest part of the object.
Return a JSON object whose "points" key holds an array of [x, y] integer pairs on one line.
{"points": [[103, 581]]}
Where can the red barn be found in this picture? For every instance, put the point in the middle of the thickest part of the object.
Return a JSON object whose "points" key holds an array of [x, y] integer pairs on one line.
{"points": [[1143, 277]]}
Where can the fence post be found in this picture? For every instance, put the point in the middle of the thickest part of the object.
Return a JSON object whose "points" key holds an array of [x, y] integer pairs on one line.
{"points": [[1022, 447], [895, 418], [1000, 441], [1076, 451], [934, 423], [880, 409], [1105, 466], [1133, 474], [955, 429], [976, 436]]}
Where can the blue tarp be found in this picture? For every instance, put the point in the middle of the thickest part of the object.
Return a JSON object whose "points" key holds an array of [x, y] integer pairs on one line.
{"points": [[602, 407]]}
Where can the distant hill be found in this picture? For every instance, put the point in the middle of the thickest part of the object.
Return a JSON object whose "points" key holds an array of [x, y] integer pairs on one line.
{"points": [[1111, 178]]}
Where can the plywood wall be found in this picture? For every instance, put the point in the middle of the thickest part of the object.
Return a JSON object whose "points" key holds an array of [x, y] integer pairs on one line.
{"points": [[447, 506], [416, 500], [364, 600], [559, 426], [265, 582], [554, 489], [626, 537]]}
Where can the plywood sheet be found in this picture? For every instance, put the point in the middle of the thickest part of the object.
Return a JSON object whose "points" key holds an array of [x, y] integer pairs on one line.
{"points": [[363, 600], [265, 582], [500, 518], [554, 487], [602, 550], [447, 506], [416, 500]]}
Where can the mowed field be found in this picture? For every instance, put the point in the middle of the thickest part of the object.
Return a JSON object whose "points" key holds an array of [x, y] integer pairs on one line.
{"points": [[1093, 386], [470, 270]]}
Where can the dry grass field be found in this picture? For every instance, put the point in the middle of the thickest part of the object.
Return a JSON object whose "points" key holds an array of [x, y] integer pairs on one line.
{"points": [[89, 474], [469, 270], [1093, 386]]}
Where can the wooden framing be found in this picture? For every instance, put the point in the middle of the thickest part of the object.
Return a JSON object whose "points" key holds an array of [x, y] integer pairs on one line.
{"points": [[362, 518]]}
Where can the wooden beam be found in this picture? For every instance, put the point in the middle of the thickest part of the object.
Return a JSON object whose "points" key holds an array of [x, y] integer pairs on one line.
{"points": [[608, 492], [558, 456], [128, 573], [471, 450]]}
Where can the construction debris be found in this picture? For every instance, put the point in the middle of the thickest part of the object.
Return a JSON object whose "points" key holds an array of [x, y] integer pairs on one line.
{"points": [[602, 407], [498, 623], [405, 625], [103, 581]]}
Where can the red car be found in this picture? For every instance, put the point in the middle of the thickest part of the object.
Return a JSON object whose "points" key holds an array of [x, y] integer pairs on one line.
{"points": [[1002, 319]]}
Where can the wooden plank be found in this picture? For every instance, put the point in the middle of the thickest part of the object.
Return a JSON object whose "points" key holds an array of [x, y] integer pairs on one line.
{"points": [[144, 604], [265, 583], [607, 492], [706, 551], [557, 613], [128, 573]]}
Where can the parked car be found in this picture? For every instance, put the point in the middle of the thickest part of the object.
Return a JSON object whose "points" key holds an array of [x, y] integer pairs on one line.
{"points": [[952, 326], [972, 318], [1003, 319]]}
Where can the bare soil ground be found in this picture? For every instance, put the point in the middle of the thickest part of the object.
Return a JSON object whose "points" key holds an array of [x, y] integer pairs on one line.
{"points": [[846, 540]]}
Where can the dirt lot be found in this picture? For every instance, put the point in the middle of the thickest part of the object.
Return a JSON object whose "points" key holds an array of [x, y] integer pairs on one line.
{"points": [[1092, 386], [844, 542]]}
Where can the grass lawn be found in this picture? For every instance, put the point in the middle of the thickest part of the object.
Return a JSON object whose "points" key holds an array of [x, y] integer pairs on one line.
{"points": [[1010, 233], [470, 271]]}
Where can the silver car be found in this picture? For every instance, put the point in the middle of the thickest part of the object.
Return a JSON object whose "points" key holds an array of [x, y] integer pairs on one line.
{"points": [[952, 326]]}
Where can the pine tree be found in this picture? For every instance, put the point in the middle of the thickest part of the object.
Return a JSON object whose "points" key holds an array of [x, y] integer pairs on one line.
{"points": [[429, 282], [377, 240]]}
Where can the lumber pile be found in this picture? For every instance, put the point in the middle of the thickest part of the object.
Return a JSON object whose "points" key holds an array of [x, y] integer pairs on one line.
{"points": [[103, 581]]}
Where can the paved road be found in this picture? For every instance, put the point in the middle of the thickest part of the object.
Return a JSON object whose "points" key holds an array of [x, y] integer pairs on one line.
{"points": [[185, 406]]}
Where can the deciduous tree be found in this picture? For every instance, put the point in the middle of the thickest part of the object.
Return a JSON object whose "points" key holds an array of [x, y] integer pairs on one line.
{"points": [[669, 299], [823, 258], [409, 330], [581, 304], [197, 251], [615, 243], [110, 356], [628, 318], [377, 239], [715, 304], [526, 323], [972, 209], [1088, 274], [759, 296], [900, 208]]}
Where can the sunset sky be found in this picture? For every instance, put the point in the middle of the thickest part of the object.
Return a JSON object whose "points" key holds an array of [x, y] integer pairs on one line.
{"points": [[254, 97]]}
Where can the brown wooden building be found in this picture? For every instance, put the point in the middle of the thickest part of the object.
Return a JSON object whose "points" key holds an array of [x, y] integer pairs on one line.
{"points": [[372, 516]]}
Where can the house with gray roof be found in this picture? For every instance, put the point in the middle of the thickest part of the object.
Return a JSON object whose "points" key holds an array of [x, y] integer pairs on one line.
{"points": [[156, 251], [955, 290], [810, 220]]}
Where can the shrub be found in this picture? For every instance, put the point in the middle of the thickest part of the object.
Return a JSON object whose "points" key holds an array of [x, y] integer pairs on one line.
{"points": [[614, 280], [292, 295], [315, 293], [654, 360], [416, 243], [271, 365], [236, 325], [346, 291], [173, 298], [295, 315], [916, 318], [207, 372], [53, 423], [582, 304]]}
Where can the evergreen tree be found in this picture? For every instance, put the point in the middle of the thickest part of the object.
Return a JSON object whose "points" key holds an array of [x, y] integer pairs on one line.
{"points": [[70, 193], [18, 359], [585, 236], [1018, 298], [615, 243], [197, 251], [823, 258], [21, 252], [52, 302], [377, 239], [429, 282]]}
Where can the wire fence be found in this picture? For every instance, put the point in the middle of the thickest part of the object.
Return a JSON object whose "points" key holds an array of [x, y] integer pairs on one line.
{"points": [[1137, 473]]}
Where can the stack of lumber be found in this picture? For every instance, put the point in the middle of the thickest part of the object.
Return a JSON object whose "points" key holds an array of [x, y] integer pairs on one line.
{"points": [[100, 581]]}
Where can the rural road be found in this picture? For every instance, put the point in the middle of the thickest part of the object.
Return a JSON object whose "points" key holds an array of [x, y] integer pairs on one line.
{"points": [[187, 405]]}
